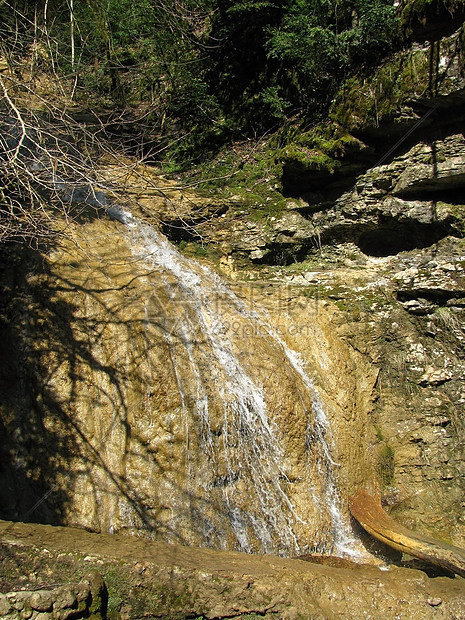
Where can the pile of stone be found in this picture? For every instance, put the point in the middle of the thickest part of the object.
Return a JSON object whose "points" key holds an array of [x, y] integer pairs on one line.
{"points": [[86, 599]]}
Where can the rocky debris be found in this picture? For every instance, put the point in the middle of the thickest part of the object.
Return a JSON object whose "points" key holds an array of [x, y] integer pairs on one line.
{"points": [[275, 239], [87, 599]]}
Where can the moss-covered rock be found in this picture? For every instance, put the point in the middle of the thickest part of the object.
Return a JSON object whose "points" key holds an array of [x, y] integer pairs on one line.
{"points": [[313, 157], [396, 91]]}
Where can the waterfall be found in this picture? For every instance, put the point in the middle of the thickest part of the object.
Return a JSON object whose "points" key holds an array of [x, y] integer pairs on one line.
{"points": [[238, 475]]}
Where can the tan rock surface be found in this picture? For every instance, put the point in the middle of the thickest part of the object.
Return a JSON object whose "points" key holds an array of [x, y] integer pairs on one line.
{"points": [[120, 358]]}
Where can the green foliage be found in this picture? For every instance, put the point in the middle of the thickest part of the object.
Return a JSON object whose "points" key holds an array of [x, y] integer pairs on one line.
{"points": [[320, 40], [202, 72], [273, 104], [245, 80], [142, 59], [276, 59], [318, 149]]}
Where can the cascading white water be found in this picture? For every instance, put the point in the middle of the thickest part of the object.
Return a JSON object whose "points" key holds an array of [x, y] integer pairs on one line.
{"points": [[211, 332]]}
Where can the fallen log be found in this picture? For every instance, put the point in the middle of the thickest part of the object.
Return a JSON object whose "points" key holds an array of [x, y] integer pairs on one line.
{"points": [[367, 510]]}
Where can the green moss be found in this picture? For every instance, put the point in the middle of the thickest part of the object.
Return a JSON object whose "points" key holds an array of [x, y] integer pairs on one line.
{"points": [[116, 586], [172, 599], [379, 433], [355, 303], [247, 172], [328, 138], [385, 466], [366, 101], [98, 606], [313, 159], [321, 148], [194, 249], [169, 599]]}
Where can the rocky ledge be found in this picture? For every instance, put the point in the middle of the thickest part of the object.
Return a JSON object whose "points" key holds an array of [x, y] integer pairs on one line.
{"points": [[156, 580]]}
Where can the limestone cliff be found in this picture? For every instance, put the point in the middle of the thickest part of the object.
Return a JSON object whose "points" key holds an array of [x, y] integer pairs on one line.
{"points": [[104, 369]]}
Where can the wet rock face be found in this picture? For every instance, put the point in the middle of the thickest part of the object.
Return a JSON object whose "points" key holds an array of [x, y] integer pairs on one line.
{"points": [[386, 247], [145, 396], [108, 362], [407, 215]]}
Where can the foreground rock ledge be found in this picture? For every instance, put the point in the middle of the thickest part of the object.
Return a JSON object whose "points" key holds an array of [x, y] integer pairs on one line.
{"points": [[156, 580]]}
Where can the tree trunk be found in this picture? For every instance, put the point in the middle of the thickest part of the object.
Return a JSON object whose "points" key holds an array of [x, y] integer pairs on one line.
{"points": [[367, 510]]}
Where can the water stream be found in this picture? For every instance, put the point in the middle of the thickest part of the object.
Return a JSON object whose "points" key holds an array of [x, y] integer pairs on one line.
{"points": [[236, 445]]}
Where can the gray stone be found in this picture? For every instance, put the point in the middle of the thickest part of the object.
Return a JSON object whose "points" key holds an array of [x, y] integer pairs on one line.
{"points": [[4, 605], [440, 164], [63, 599], [82, 592], [41, 600], [19, 600]]}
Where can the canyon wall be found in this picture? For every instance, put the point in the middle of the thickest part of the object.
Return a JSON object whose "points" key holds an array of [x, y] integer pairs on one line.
{"points": [[104, 369]]}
